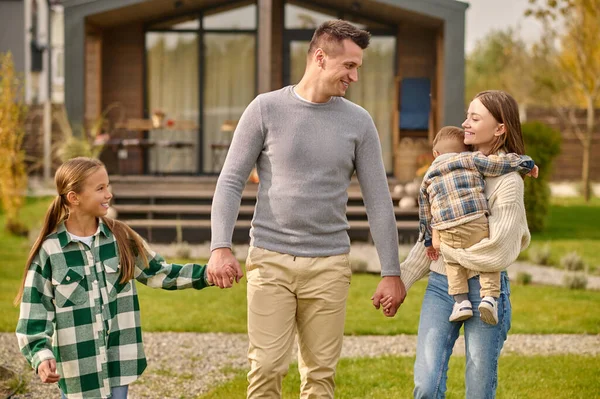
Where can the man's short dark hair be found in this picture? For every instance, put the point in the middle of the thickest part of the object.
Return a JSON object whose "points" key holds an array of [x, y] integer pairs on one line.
{"points": [[330, 35]]}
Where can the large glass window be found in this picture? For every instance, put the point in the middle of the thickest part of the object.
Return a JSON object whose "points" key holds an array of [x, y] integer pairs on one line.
{"points": [[302, 17], [172, 88], [240, 18], [186, 22], [374, 90], [230, 85], [201, 75]]}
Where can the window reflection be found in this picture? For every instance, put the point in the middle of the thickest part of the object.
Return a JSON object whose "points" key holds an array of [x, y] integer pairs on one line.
{"points": [[299, 17], [237, 18], [186, 22], [229, 86], [172, 84]]}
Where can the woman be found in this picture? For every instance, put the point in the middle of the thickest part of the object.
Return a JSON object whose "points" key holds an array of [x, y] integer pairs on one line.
{"points": [[492, 126]]}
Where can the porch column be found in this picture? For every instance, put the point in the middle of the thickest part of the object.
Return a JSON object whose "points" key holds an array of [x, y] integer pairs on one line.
{"points": [[453, 60], [270, 45]]}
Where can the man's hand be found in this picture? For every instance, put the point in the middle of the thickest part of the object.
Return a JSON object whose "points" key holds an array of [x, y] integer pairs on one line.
{"points": [[47, 371], [534, 172], [389, 286], [432, 253], [220, 266]]}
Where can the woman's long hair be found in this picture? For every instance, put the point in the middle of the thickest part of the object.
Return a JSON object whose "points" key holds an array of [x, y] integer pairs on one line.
{"points": [[504, 109], [71, 176]]}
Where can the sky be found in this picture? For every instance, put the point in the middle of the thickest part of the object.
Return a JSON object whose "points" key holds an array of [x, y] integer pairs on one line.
{"points": [[484, 16]]}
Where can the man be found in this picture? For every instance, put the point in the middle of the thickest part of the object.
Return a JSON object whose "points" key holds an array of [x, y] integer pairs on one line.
{"points": [[307, 141]]}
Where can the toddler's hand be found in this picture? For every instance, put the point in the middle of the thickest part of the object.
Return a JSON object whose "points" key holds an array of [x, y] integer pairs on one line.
{"points": [[432, 253], [47, 371], [534, 172]]}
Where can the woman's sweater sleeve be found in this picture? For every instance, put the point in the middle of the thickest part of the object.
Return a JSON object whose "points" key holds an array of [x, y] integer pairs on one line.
{"points": [[415, 266], [509, 234]]}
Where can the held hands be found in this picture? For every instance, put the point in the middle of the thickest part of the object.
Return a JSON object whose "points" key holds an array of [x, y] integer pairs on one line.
{"points": [[223, 268], [392, 288], [47, 371]]}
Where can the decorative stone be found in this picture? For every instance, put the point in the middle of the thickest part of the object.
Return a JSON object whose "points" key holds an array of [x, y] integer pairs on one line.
{"points": [[112, 213], [407, 203], [398, 190], [411, 189]]}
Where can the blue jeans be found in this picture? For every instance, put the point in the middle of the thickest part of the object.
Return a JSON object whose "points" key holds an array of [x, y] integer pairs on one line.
{"points": [[437, 336], [116, 392]]}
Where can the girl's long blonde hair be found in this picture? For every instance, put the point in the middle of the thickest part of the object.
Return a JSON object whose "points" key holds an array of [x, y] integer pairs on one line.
{"points": [[71, 176]]}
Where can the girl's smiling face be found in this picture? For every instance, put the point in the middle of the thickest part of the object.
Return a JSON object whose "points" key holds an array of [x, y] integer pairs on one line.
{"points": [[95, 197], [481, 128]]}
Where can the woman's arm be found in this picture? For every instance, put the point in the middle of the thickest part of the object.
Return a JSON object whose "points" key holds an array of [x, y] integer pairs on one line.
{"points": [[415, 266], [509, 233]]}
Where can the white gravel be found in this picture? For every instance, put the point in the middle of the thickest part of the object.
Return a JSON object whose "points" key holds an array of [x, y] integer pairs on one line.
{"points": [[199, 362]]}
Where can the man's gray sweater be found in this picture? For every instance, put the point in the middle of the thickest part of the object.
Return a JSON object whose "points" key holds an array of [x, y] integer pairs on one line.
{"points": [[306, 154]]}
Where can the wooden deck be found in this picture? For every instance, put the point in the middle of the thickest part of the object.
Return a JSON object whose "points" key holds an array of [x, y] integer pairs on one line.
{"points": [[163, 208]]}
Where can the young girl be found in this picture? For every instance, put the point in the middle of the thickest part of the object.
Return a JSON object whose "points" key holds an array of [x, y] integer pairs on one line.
{"points": [[79, 323]]}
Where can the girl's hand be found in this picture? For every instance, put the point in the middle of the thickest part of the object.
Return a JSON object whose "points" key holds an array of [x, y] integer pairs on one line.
{"points": [[386, 303], [47, 371]]}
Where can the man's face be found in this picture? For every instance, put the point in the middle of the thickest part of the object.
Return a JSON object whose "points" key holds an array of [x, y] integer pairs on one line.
{"points": [[341, 68]]}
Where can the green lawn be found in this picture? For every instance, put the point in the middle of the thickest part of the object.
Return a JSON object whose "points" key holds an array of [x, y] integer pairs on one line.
{"points": [[573, 225], [537, 309], [536, 377]]}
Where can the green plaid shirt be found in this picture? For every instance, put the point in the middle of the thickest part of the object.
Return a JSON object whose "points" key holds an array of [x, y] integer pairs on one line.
{"points": [[74, 309]]}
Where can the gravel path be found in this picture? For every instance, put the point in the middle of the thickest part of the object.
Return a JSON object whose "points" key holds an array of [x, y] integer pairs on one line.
{"points": [[201, 361]]}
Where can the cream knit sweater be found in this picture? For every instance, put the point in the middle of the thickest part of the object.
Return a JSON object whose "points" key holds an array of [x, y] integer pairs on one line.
{"points": [[509, 235]]}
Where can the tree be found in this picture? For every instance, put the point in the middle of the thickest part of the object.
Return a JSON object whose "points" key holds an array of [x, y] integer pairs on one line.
{"points": [[574, 52], [500, 61], [13, 179]]}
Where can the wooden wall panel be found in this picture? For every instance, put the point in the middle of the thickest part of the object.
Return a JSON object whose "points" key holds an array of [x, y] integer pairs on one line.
{"points": [[416, 51], [93, 77], [123, 84]]}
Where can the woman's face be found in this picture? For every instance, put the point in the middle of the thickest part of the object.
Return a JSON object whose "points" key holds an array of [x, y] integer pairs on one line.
{"points": [[481, 128]]}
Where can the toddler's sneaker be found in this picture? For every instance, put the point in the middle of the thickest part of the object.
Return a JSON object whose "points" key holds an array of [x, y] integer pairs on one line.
{"points": [[488, 310], [461, 311]]}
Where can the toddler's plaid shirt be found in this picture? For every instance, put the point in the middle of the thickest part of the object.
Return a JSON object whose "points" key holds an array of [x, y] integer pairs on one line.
{"points": [[452, 192]]}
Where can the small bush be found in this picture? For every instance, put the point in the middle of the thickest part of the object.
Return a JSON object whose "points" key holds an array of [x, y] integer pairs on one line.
{"points": [[524, 278], [572, 262], [183, 250], [575, 281], [542, 143], [540, 255], [13, 178], [358, 265]]}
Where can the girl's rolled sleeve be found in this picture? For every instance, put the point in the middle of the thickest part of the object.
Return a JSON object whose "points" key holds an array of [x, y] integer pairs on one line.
{"points": [[36, 317]]}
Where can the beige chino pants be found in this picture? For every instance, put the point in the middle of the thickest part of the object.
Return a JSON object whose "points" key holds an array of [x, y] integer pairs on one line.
{"points": [[288, 294], [464, 236]]}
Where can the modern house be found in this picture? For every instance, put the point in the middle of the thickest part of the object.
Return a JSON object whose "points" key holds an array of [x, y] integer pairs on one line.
{"points": [[175, 75]]}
